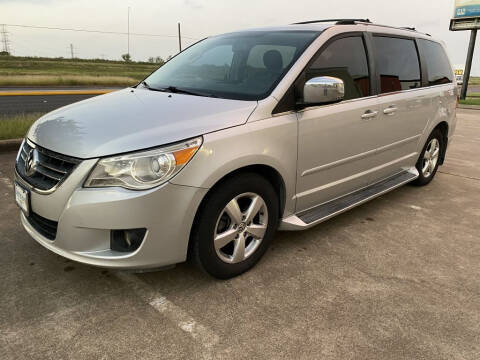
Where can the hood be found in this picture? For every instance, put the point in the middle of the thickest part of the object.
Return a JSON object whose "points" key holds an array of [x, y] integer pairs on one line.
{"points": [[134, 119]]}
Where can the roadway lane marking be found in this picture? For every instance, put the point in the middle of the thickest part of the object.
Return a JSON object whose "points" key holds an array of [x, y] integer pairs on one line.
{"points": [[205, 337], [55, 92]]}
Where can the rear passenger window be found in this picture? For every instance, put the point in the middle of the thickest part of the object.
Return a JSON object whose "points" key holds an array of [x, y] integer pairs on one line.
{"points": [[439, 70], [397, 63], [345, 59]]}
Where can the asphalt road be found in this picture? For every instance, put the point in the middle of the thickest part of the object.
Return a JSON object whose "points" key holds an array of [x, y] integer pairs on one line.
{"points": [[473, 88], [46, 88], [37, 103], [25, 104], [397, 278]]}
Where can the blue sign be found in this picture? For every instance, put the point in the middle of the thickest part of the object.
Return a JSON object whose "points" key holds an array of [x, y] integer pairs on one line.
{"points": [[467, 8]]}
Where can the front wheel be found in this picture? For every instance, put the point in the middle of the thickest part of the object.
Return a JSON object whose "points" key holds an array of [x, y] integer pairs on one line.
{"points": [[235, 225], [428, 162]]}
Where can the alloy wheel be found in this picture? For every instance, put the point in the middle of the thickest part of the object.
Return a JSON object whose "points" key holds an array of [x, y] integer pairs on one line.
{"points": [[430, 157], [240, 228]]}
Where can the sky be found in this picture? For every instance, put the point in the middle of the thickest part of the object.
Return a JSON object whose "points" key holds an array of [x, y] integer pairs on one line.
{"points": [[201, 18]]}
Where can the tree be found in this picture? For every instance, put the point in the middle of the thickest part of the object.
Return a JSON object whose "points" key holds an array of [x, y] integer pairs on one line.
{"points": [[126, 57], [4, 53], [156, 60]]}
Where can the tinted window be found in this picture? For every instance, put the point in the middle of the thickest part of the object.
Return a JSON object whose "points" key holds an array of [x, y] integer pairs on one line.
{"points": [[345, 59], [439, 70], [256, 58], [397, 63], [244, 65]]}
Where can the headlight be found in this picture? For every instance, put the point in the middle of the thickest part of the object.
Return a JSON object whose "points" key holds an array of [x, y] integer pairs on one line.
{"points": [[143, 170]]}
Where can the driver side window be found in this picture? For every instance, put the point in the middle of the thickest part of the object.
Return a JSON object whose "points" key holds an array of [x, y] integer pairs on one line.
{"points": [[345, 59]]}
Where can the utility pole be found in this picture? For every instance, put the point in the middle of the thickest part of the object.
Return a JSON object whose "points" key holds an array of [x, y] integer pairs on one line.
{"points": [[179, 38], [5, 41], [128, 31], [71, 51], [468, 65]]}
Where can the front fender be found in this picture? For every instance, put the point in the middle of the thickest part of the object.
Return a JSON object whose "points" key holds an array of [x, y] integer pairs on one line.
{"points": [[271, 142]]}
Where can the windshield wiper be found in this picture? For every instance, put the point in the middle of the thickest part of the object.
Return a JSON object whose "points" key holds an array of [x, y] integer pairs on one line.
{"points": [[145, 85], [176, 90]]}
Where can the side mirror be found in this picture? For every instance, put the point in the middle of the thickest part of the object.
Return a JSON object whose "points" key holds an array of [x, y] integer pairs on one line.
{"points": [[323, 90]]}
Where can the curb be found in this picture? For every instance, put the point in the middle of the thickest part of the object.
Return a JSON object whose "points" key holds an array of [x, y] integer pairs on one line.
{"points": [[469, 107], [10, 145]]}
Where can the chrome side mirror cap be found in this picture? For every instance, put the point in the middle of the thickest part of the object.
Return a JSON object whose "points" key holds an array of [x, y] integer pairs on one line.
{"points": [[323, 90]]}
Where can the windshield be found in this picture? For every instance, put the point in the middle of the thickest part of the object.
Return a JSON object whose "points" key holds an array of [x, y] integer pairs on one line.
{"points": [[243, 66]]}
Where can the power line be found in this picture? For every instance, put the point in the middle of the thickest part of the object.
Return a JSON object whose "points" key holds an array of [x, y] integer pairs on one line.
{"points": [[96, 31]]}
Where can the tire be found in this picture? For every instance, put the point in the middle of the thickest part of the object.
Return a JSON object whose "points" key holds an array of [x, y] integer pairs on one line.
{"points": [[231, 225], [427, 164]]}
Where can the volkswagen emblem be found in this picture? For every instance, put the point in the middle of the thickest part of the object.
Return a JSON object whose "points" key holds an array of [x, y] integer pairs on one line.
{"points": [[31, 162]]}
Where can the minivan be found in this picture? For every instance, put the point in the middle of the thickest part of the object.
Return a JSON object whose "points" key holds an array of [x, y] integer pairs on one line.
{"points": [[237, 136]]}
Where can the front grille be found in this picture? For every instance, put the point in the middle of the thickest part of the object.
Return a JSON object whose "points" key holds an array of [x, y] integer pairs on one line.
{"points": [[49, 169], [45, 227]]}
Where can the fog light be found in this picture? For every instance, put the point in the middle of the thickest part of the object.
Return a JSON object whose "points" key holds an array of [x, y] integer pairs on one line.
{"points": [[126, 240]]}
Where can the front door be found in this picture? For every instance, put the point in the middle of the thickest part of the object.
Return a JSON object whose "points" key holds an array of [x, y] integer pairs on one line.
{"points": [[335, 144]]}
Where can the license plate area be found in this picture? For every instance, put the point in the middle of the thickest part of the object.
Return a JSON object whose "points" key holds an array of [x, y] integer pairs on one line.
{"points": [[22, 198]]}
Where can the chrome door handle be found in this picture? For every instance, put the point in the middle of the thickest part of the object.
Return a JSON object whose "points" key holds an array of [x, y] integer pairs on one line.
{"points": [[369, 114], [390, 110]]}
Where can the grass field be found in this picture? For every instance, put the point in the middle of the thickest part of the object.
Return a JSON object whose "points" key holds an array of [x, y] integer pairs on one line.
{"points": [[471, 101], [24, 71], [16, 126], [31, 71], [474, 81], [66, 80]]}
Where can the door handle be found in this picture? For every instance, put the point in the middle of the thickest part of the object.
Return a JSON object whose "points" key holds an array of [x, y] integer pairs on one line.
{"points": [[369, 114], [391, 110]]}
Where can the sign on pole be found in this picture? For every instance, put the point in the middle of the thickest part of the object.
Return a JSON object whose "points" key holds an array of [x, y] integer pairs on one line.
{"points": [[466, 15]]}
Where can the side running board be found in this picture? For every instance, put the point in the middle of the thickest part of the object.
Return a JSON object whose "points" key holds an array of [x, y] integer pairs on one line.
{"points": [[318, 214]]}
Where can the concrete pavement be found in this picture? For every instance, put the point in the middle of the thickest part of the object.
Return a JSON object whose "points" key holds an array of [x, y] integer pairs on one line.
{"points": [[397, 278]]}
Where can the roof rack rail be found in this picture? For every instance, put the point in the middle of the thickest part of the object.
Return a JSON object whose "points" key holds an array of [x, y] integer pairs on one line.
{"points": [[403, 28], [354, 21], [337, 21]]}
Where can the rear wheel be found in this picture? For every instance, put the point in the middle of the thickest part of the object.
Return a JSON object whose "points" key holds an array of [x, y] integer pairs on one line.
{"points": [[429, 160], [235, 225]]}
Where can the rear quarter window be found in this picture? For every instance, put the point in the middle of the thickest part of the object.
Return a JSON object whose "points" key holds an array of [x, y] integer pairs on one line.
{"points": [[438, 67]]}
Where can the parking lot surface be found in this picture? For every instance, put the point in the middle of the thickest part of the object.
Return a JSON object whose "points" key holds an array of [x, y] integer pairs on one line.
{"points": [[397, 278]]}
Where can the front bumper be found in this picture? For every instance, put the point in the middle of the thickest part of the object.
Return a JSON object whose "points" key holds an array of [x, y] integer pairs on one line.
{"points": [[86, 217]]}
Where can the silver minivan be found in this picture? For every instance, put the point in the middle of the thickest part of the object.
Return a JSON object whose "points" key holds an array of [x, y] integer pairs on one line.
{"points": [[237, 136]]}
